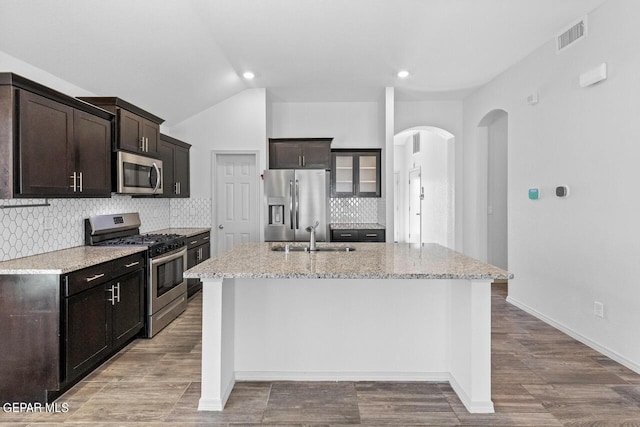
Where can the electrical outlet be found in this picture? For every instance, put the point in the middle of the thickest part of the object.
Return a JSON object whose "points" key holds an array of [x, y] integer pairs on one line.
{"points": [[598, 309], [47, 223]]}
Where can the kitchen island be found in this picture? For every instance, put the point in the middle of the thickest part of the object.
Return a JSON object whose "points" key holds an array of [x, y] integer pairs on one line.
{"points": [[378, 312]]}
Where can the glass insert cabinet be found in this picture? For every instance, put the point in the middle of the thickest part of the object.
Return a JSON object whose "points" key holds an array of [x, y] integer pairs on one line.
{"points": [[355, 173]]}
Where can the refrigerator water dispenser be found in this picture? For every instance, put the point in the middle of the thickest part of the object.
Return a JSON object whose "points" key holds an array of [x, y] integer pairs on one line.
{"points": [[276, 214]]}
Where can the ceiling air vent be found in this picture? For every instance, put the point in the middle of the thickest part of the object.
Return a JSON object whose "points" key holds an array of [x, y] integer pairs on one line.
{"points": [[416, 142], [574, 33]]}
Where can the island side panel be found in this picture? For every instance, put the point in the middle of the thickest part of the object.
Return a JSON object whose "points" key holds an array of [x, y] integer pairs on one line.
{"points": [[342, 329], [218, 335], [471, 343]]}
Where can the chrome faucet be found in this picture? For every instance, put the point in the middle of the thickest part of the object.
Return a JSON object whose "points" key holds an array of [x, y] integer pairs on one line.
{"points": [[312, 239]]}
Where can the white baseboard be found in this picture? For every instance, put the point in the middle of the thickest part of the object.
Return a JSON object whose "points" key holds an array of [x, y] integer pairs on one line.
{"points": [[477, 407], [577, 335], [340, 376], [206, 404]]}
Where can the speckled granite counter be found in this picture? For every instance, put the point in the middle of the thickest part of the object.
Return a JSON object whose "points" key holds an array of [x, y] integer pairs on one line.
{"points": [[66, 260], [379, 261], [187, 232], [355, 226]]}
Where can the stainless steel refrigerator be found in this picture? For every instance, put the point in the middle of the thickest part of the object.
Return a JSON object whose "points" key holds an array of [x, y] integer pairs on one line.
{"points": [[296, 199]]}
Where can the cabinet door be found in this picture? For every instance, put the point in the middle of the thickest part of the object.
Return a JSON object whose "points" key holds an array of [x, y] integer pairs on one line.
{"points": [[371, 235], [342, 174], [92, 144], [130, 131], [344, 235], [165, 152], [127, 306], [87, 334], [192, 257], [285, 155], [368, 184], [181, 170], [316, 155], [151, 132], [46, 154], [205, 253]]}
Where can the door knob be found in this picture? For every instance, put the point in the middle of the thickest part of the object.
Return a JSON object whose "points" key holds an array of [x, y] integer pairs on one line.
{"points": [[220, 227]]}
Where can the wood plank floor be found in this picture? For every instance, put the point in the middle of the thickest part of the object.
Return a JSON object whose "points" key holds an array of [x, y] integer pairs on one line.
{"points": [[541, 377]]}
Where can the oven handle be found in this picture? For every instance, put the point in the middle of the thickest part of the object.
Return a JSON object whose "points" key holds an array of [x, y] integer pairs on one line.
{"points": [[170, 257]]}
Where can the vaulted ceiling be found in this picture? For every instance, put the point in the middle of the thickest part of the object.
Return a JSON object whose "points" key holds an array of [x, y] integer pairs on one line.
{"points": [[178, 57]]}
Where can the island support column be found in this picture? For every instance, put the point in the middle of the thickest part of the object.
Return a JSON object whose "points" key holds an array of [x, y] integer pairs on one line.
{"points": [[470, 370], [218, 372]]}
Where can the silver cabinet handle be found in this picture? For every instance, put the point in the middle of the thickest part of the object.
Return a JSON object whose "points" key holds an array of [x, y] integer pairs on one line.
{"points": [[112, 298], [146, 144], [80, 179], [97, 276], [73, 177], [205, 238], [117, 295], [132, 264], [303, 161], [345, 235], [299, 160], [193, 242], [371, 235], [141, 143]]}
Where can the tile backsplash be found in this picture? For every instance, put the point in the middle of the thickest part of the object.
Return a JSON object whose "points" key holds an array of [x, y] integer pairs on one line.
{"points": [[34, 230], [357, 209]]}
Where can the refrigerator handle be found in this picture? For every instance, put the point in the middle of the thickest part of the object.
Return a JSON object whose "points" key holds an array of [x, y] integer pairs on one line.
{"points": [[291, 203], [297, 205]]}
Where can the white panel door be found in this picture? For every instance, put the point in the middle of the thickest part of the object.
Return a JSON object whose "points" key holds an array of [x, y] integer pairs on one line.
{"points": [[236, 200]]}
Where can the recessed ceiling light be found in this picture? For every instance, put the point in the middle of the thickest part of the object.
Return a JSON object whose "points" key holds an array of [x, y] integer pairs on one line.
{"points": [[248, 75], [403, 74]]}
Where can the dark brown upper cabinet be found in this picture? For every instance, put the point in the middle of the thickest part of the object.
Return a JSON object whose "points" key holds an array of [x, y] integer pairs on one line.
{"points": [[356, 173], [175, 160], [300, 153], [137, 130], [51, 145]]}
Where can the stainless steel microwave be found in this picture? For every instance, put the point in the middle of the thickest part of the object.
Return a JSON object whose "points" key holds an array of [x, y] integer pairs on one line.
{"points": [[138, 174]]}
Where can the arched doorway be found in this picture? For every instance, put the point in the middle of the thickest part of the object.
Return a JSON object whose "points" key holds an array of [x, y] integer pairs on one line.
{"points": [[495, 176], [424, 164]]}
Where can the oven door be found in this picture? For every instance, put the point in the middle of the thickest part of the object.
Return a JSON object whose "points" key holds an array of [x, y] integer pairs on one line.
{"points": [[138, 174], [166, 282]]}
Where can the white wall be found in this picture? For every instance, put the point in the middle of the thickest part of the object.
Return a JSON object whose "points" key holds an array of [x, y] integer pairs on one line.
{"points": [[238, 123], [567, 253], [351, 124], [445, 115]]}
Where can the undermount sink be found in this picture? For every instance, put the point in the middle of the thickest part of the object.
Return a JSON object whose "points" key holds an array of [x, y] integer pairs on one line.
{"points": [[318, 249]]}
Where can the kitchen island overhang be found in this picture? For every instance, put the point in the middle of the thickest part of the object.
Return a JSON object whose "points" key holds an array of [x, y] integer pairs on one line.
{"points": [[388, 312]]}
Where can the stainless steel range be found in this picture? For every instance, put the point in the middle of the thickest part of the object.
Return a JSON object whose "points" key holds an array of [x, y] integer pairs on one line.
{"points": [[167, 258]]}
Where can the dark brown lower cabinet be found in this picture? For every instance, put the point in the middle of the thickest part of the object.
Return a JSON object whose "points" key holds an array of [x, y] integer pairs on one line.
{"points": [[100, 320], [360, 235], [198, 250], [57, 328]]}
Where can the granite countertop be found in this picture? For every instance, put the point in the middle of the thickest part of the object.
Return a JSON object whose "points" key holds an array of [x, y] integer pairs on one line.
{"points": [[67, 260], [355, 226], [187, 232], [379, 261]]}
